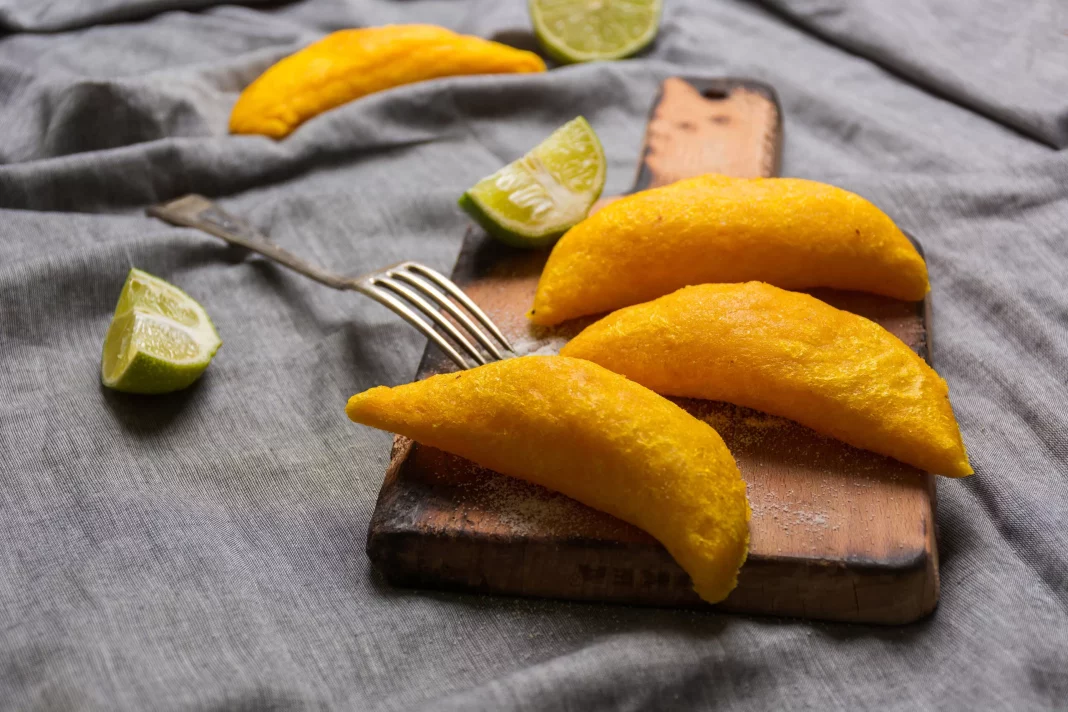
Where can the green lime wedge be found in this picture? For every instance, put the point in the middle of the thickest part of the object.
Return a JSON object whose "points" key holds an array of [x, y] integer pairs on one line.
{"points": [[531, 202], [160, 339], [587, 30]]}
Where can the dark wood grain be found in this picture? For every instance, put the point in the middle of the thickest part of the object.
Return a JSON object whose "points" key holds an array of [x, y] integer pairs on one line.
{"points": [[837, 533]]}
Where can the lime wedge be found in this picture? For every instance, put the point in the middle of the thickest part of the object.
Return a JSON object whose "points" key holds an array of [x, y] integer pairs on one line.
{"points": [[587, 30], [160, 339], [531, 202]]}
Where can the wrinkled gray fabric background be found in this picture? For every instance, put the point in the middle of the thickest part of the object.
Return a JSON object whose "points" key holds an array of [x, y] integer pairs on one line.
{"points": [[205, 550]]}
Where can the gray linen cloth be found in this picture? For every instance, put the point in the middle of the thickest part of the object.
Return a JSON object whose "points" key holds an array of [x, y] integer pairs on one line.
{"points": [[205, 550]]}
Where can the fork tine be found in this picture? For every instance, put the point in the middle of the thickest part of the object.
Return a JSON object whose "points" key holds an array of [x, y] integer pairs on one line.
{"points": [[404, 312], [446, 304], [453, 291], [428, 309]]}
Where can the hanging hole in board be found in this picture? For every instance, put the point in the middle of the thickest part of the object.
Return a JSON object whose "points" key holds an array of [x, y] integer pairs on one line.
{"points": [[715, 94]]}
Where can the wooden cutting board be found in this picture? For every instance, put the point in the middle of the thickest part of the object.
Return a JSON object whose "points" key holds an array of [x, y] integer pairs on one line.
{"points": [[837, 533]]}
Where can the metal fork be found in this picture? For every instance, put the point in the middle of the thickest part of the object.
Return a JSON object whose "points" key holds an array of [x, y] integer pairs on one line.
{"points": [[417, 284]]}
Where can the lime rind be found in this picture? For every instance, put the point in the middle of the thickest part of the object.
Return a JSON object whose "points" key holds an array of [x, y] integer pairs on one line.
{"points": [[574, 31], [534, 200]]}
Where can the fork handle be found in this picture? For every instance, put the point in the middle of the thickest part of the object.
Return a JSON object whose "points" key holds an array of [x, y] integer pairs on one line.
{"points": [[199, 212]]}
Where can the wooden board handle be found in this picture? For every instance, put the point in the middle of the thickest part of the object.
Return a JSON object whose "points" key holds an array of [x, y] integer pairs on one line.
{"points": [[711, 126]]}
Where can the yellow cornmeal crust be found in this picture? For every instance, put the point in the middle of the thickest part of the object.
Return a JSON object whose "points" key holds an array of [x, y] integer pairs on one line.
{"points": [[348, 64], [790, 355], [789, 232], [579, 429]]}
